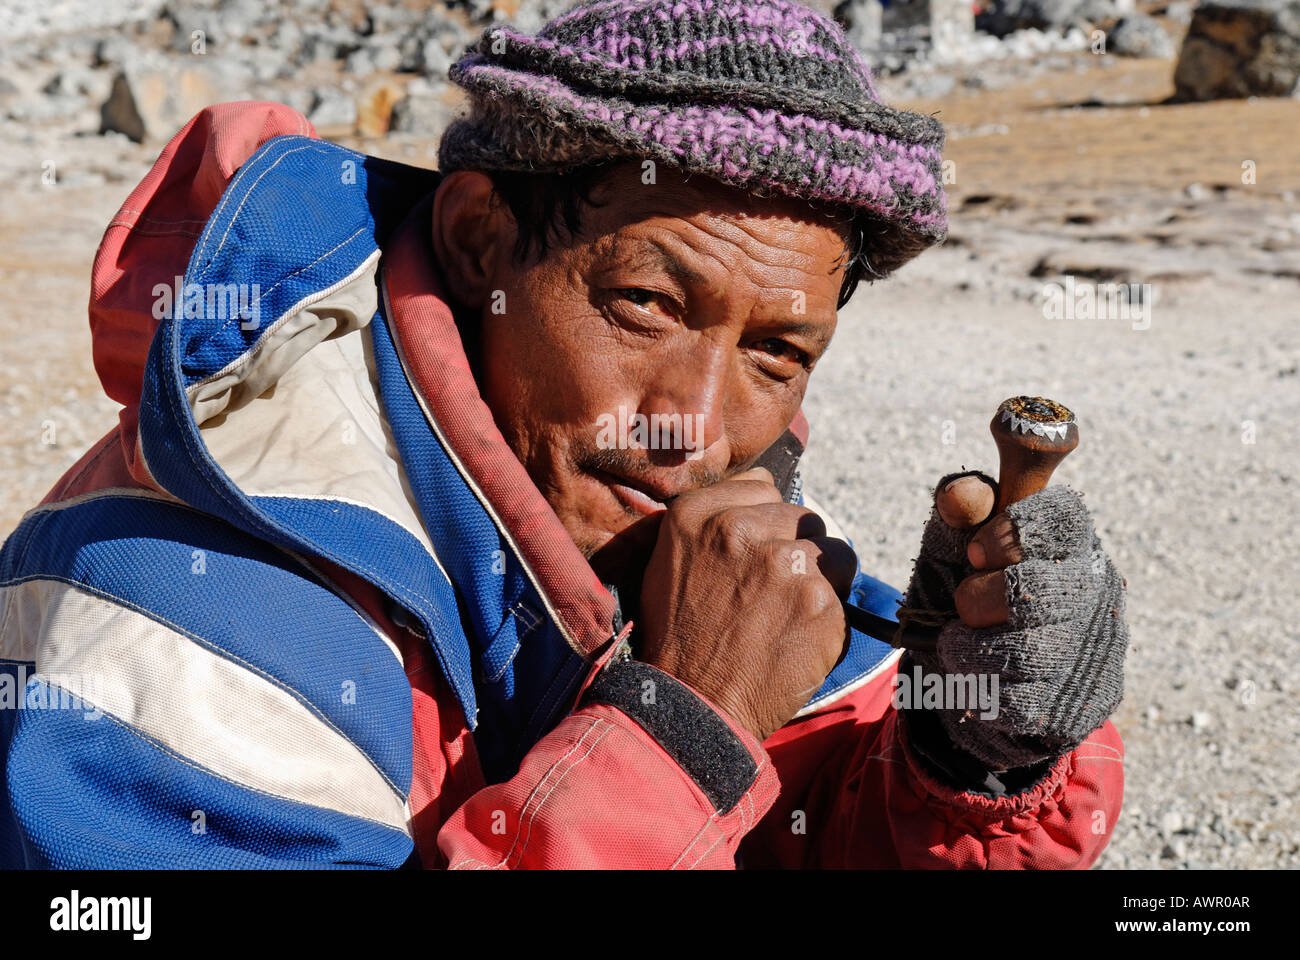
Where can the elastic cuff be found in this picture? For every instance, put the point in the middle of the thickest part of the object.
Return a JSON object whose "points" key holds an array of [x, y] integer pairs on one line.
{"points": [[985, 805], [688, 728]]}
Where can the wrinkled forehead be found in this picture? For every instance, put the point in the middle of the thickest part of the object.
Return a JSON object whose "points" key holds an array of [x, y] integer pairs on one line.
{"points": [[636, 190]]}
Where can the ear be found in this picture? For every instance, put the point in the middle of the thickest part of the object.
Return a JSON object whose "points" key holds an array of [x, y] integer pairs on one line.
{"points": [[472, 229]]}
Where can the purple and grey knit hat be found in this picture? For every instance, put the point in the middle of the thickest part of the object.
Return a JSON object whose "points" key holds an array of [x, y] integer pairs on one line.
{"points": [[765, 95]]}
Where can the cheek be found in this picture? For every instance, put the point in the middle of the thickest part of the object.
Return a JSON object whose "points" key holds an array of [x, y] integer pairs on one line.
{"points": [[545, 376]]}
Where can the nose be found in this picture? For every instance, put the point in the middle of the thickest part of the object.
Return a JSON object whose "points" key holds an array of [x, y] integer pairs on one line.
{"points": [[688, 394]]}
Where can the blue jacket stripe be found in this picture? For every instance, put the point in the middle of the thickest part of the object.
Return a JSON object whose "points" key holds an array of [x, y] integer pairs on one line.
{"points": [[96, 794], [250, 603]]}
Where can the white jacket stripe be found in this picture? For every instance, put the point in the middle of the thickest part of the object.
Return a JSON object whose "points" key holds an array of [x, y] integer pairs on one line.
{"points": [[209, 709]]}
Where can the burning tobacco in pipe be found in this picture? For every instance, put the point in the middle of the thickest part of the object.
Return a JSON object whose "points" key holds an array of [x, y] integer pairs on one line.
{"points": [[1033, 435]]}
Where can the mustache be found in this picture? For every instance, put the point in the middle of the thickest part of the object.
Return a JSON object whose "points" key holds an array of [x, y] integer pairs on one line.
{"points": [[625, 463]]}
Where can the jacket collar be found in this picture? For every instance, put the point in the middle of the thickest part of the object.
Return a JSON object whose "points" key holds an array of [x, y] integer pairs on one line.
{"points": [[438, 370]]}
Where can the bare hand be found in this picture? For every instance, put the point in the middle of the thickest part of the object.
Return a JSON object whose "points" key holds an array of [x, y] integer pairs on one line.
{"points": [[741, 599]]}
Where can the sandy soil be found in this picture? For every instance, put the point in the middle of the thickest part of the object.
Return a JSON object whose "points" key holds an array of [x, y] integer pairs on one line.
{"points": [[1124, 189]]}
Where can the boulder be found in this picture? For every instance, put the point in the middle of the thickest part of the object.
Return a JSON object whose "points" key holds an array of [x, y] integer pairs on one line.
{"points": [[332, 110], [861, 20], [424, 114], [150, 100], [1097, 11], [1240, 48], [1137, 35], [375, 106], [1003, 17]]}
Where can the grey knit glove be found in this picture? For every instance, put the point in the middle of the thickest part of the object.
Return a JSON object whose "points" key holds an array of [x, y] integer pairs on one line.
{"points": [[1058, 661]]}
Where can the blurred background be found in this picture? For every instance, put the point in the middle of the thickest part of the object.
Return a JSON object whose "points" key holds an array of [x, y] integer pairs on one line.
{"points": [[1139, 158]]}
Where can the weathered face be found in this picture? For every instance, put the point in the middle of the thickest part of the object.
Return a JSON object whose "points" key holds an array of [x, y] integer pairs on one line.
{"points": [[687, 316]]}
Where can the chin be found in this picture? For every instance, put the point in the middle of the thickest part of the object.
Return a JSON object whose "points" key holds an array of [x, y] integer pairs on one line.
{"points": [[622, 552]]}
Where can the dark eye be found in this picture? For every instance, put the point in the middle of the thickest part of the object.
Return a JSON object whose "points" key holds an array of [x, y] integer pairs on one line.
{"points": [[636, 295], [782, 350]]}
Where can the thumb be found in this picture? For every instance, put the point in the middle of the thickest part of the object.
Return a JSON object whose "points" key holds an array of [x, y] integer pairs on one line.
{"points": [[965, 500], [962, 501]]}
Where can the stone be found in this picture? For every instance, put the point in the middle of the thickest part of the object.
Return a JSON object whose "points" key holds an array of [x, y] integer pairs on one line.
{"points": [[72, 82], [332, 109], [427, 115], [1002, 17], [1097, 11], [375, 107], [149, 102], [1240, 48], [952, 26], [433, 60], [1138, 35], [862, 22], [385, 53], [360, 62], [113, 51], [286, 39], [532, 15]]}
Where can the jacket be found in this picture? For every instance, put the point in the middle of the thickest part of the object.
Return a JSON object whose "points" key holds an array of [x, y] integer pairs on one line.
{"points": [[304, 608]]}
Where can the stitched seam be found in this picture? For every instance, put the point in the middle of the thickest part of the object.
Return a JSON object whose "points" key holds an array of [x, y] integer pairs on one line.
{"points": [[571, 637], [607, 726], [848, 686], [717, 840], [293, 310], [694, 841], [233, 187], [256, 519], [592, 724], [154, 233], [144, 219], [104, 446], [301, 306]]}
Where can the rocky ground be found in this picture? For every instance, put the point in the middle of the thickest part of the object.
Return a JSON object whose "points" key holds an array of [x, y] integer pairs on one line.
{"points": [[1062, 163]]}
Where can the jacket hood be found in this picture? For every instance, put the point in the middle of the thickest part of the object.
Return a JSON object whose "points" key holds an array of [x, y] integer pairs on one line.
{"points": [[263, 385]]}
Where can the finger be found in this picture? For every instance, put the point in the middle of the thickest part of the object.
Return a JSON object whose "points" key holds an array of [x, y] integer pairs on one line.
{"points": [[981, 600], [783, 521], [996, 544], [750, 488], [965, 501], [1052, 524], [837, 562], [756, 485], [1052, 591]]}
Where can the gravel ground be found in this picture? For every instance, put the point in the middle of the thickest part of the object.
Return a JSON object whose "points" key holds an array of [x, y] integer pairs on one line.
{"points": [[1193, 516], [1189, 427]]}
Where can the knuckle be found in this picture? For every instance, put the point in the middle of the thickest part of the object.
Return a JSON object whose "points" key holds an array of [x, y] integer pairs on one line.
{"points": [[815, 595], [733, 532]]}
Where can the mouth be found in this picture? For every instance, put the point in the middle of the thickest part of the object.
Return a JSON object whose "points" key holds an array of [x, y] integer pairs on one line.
{"points": [[636, 496]]}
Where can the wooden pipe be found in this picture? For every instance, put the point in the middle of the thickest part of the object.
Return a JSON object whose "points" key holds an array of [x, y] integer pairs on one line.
{"points": [[1033, 435]]}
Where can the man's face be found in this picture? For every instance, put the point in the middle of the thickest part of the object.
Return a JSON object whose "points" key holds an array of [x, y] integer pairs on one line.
{"points": [[680, 298]]}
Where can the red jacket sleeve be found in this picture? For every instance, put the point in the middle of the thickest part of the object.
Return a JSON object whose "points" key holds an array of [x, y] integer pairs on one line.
{"points": [[854, 794], [644, 774]]}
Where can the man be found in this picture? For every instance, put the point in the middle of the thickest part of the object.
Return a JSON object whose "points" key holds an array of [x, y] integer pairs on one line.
{"points": [[382, 568]]}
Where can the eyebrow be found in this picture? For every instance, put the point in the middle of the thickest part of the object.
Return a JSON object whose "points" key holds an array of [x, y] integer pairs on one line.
{"points": [[685, 274], [667, 261], [815, 330]]}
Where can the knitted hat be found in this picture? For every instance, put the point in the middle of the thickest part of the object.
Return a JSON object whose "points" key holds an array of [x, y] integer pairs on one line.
{"points": [[765, 95]]}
